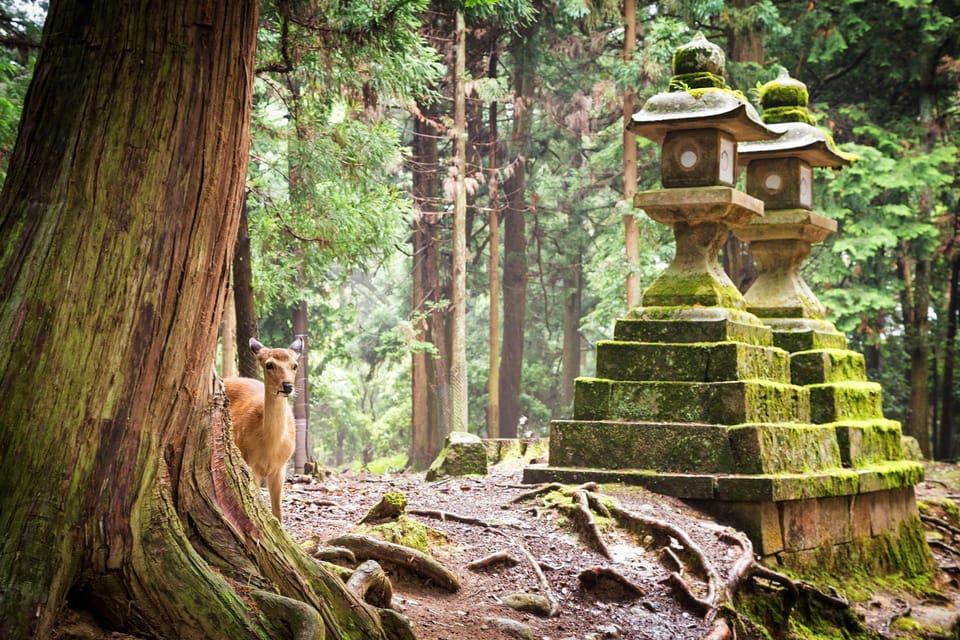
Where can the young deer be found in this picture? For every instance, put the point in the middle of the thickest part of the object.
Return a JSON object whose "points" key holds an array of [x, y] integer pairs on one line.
{"points": [[263, 425]]}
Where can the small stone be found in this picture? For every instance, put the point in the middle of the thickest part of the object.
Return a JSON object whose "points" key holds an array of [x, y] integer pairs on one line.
{"points": [[528, 603], [462, 454], [513, 628]]}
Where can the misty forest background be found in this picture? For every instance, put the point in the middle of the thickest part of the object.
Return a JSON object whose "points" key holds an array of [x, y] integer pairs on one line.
{"points": [[355, 185]]}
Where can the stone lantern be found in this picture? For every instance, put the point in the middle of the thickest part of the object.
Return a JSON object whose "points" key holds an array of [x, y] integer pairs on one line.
{"points": [[780, 173], [693, 398], [698, 123]]}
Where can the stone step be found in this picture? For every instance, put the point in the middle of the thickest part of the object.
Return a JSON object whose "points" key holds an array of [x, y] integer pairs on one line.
{"points": [[864, 442], [743, 488], [804, 339], [697, 324], [845, 401], [723, 403], [691, 362], [827, 365], [693, 448]]}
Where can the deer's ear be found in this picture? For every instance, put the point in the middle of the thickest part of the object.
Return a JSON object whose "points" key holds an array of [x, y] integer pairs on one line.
{"points": [[255, 346], [297, 345]]}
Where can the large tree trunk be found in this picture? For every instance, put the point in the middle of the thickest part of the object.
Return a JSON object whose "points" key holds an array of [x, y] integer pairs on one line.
{"points": [[493, 383], [523, 49], [243, 299], [301, 401], [117, 222], [570, 362], [431, 394]]}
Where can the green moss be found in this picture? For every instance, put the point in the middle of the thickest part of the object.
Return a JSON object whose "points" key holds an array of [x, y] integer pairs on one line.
{"points": [[777, 115], [698, 55], [780, 94], [676, 287], [409, 533], [696, 80]]}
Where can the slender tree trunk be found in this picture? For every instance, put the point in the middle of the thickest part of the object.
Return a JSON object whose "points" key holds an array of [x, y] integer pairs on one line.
{"points": [[228, 336], [915, 302], [630, 227], [243, 300], [493, 383], [127, 194], [458, 303], [947, 426], [301, 401], [523, 49], [746, 45], [570, 363]]}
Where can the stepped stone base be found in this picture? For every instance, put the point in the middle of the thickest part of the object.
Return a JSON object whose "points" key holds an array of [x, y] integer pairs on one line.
{"points": [[843, 517]]}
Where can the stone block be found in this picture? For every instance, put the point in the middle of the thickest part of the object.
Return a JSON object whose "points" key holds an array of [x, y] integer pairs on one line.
{"points": [[691, 362], [697, 324], [462, 454], [826, 365], [672, 447], [805, 339], [712, 403], [886, 476], [787, 486], [863, 442], [783, 448], [801, 524], [843, 401], [860, 518], [685, 486], [760, 521]]}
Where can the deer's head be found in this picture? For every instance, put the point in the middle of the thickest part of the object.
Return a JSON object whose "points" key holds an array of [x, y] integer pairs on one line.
{"points": [[279, 366]]}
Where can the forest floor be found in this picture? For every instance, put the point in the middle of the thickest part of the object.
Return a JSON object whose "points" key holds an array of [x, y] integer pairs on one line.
{"points": [[489, 515]]}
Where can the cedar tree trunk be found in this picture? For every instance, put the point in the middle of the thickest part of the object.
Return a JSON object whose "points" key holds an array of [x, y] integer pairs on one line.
{"points": [[121, 487], [243, 300]]}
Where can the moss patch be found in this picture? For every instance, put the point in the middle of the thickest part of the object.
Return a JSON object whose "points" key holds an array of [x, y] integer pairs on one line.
{"points": [[462, 454]]}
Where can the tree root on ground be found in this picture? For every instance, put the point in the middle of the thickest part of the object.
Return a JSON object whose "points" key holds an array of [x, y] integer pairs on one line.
{"points": [[542, 580], [446, 515], [607, 580], [367, 548], [501, 557]]}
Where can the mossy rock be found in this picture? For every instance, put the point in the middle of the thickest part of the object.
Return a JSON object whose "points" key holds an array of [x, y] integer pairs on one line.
{"points": [[867, 441], [407, 532], [463, 454], [699, 56]]}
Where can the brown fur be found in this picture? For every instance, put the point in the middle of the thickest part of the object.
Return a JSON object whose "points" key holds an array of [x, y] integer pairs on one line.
{"points": [[263, 426]]}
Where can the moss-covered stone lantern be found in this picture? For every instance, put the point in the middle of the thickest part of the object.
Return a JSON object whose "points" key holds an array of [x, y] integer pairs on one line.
{"points": [[698, 122], [692, 397], [780, 173]]}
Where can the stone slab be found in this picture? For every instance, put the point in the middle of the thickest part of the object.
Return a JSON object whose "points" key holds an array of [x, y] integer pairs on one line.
{"points": [[691, 362], [845, 401], [827, 365]]}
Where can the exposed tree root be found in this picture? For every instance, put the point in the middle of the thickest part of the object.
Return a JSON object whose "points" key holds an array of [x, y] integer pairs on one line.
{"points": [[542, 579], [663, 535], [610, 582], [940, 523], [367, 548], [539, 491], [501, 557], [370, 584], [446, 515], [587, 524], [396, 626], [336, 555]]}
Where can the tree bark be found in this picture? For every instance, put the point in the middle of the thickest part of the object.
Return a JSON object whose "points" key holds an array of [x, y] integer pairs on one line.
{"points": [[570, 362], [124, 190], [458, 302], [228, 336], [630, 227], [301, 402], [523, 49], [430, 389], [949, 352], [493, 382], [243, 299], [915, 302]]}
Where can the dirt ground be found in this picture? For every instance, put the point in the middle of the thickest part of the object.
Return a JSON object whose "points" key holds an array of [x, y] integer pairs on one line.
{"points": [[322, 510]]}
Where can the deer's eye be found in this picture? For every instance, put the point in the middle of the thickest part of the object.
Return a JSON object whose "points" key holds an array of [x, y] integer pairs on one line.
{"points": [[294, 366], [269, 365]]}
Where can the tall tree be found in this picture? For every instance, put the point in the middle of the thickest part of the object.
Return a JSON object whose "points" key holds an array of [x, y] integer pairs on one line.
{"points": [[127, 195], [458, 303], [523, 52]]}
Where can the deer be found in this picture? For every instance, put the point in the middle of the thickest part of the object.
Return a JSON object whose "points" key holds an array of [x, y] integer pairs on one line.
{"points": [[263, 425]]}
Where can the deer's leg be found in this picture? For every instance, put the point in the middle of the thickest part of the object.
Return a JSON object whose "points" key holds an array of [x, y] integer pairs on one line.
{"points": [[275, 485]]}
